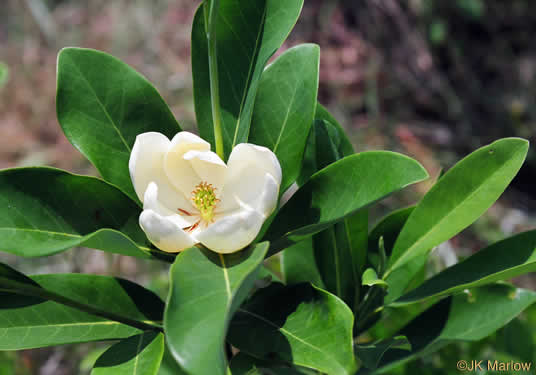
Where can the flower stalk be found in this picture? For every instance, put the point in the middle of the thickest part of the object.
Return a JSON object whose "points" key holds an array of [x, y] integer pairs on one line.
{"points": [[211, 15]]}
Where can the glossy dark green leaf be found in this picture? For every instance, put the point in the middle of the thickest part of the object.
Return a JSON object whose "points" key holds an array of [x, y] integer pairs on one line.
{"points": [[298, 264], [337, 258], [460, 197], [169, 366], [12, 276], [393, 319], [299, 324], [355, 233], [340, 139], [503, 260], [44, 211], [248, 32], [29, 322], [339, 251], [470, 316], [516, 340], [242, 364], [388, 227], [371, 354], [206, 289], [285, 106], [340, 190], [137, 355], [326, 143], [111, 295], [102, 105], [46, 310]]}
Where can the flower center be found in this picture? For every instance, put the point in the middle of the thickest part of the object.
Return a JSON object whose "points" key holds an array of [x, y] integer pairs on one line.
{"points": [[204, 199]]}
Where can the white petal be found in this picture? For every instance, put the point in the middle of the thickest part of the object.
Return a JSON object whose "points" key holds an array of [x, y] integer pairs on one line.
{"points": [[267, 196], [232, 232], [146, 165], [209, 167], [180, 171], [253, 178], [164, 233], [151, 202]]}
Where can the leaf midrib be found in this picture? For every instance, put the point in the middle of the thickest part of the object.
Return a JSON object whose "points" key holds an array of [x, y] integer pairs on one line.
{"points": [[107, 114], [294, 337], [285, 121], [15, 287], [249, 78], [488, 279], [77, 236], [338, 276], [56, 325], [226, 278], [138, 351], [43, 231], [434, 228]]}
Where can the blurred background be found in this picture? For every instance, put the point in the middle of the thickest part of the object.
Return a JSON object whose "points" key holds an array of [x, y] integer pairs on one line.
{"points": [[432, 79]]}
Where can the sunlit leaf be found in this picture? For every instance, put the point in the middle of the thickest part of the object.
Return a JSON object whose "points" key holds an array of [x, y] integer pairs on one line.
{"points": [[206, 289], [102, 105], [460, 197], [44, 211], [137, 355]]}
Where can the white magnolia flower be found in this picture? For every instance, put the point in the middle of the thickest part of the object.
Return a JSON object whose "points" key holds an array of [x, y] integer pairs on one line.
{"points": [[190, 196]]}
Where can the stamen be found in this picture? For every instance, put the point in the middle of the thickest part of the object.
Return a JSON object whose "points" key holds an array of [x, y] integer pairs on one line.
{"points": [[192, 227], [184, 212], [204, 199]]}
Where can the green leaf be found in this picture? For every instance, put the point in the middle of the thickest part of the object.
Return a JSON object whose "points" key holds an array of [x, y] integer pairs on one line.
{"points": [[44, 211], [460, 197], [248, 33], [89, 359], [338, 258], [46, 310], [340, 190], [371, 354], [29, 322], [388, 227], [327, 142], [503, 260], [242, 364], [299, 324], [137, 355], [356, 237], [516, 340], [285, 106], [393, 319], [4, 74], [169, 366], [340, 250], [471, 316], [109, 295], [12, 276], [206, 289], [298, 264], [341, 141], [102, 105], [370, 278]]}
